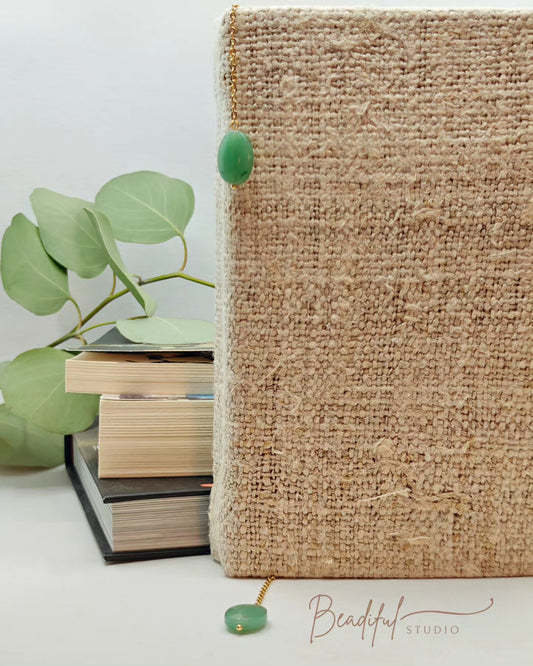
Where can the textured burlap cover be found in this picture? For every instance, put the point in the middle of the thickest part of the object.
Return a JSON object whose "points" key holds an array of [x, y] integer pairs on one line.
{"points": [[374, 297]]}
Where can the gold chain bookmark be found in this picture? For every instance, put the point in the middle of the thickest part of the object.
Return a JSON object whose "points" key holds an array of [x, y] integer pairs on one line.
{"points": [[235, 153], [235, 163]]}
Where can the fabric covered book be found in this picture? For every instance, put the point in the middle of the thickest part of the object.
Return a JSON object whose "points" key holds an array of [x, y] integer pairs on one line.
{"points": [[373, 407]]}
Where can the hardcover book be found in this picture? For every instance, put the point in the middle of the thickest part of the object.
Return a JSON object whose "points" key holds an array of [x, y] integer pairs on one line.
{"points": [[373, 378], [138, 518]]}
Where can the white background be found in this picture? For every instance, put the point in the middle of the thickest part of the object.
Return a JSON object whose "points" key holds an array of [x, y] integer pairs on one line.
{"points": [[90, 90], [60, 605]]}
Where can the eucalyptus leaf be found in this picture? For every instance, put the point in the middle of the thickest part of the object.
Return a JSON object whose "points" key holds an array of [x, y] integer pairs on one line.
{"points": [[29, 275], [157, 330], [103, 228], [22, 443], [67, 234], [33, 385], [3, 367], [146, 207]]}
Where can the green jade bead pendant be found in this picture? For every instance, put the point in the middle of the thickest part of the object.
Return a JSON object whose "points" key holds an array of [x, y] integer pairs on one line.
{"points": [[235, 157], [245, 618]]}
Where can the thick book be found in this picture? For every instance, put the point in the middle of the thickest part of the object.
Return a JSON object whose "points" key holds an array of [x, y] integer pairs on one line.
{"points": [[374, 294], [136, 519], [140, 373], [155, 436]]}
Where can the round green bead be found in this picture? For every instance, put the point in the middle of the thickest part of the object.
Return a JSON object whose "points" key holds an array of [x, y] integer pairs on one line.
{"points": [[245, 618], [235, 157]]}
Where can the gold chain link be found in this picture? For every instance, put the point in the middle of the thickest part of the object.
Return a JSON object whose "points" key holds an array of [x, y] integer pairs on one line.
{"points": [[264, 589], [235, 126], [233, 65]]}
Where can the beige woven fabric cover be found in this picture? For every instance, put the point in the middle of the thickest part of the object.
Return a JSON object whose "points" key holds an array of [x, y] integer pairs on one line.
{"points": [[374, 297]]}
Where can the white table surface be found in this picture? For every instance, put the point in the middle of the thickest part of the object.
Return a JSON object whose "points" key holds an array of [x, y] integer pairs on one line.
{"points": [[61, 605]]}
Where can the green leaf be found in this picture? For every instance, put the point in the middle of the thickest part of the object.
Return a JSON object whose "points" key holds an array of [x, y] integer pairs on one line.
{"points": [[103, 228], [157, 330], [67, 234], [34, 388], [146, 207], [3, 367], [22, 443], [29, 275]]}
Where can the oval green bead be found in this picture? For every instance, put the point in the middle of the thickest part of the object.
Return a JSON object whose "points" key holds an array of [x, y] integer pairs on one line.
{"points": [[245, 618], [235, 157]]}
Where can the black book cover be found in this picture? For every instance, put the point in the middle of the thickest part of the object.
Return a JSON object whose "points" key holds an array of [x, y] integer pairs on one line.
{"points": [[121, 490], [114, 341]]}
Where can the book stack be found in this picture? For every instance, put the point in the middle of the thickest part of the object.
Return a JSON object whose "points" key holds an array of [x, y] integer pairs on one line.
{"points": [[143, 472]]}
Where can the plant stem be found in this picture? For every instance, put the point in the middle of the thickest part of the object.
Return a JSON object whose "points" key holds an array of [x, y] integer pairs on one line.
{"points": [[114, 285], [78, 311], [185, 252], [112, 297], [179, 274], [90, 328]]}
